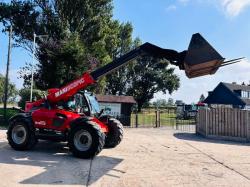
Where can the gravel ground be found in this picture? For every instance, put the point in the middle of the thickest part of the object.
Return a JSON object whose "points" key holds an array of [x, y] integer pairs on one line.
{"points": [[146, 157]]}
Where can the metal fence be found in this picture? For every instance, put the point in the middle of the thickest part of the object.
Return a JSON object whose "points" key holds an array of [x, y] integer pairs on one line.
{"points": [[187, 125], [159, 118]]}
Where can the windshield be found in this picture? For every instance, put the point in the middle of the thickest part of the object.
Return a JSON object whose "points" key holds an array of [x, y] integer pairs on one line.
{"points": [[95, 108]]}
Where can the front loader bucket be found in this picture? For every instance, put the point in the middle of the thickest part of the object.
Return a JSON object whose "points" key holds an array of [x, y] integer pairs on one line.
{"points": [[201, 58]]}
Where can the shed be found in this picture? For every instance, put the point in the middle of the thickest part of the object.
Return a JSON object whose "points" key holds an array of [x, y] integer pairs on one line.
{"points": [[117, 106]]}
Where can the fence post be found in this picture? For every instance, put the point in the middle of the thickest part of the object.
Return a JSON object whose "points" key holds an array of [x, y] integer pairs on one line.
{"points": [[156, 115], [206, 122], [136, 120], [197, 122], [159, 118], [248, 125]]}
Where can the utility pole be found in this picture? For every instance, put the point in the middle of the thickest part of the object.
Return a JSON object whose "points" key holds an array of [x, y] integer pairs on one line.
{"points": [[7, 73], [32, 68], [33, 59]]}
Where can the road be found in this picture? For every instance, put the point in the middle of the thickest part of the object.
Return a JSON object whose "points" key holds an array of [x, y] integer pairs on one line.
{"points": [[146, 157]]}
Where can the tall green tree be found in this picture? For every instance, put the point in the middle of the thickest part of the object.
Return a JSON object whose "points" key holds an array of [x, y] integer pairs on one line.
{"points": [[77, 31], [59, 63], [85, 24], [143, 77], [116, 82], [12, 91], [149, 76]]}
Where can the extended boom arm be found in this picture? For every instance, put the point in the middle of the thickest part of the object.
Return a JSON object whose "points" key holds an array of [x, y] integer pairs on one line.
{"points": [[200, 59]]}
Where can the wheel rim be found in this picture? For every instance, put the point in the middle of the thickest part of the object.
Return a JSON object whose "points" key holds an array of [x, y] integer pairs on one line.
{"points": [[82, 140], [19, 134]]}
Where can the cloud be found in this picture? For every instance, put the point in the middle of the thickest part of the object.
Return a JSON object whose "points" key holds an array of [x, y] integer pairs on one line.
{"points": [[231, 8], [191, 89], [171, 8], [234, 7], [183, 1]]}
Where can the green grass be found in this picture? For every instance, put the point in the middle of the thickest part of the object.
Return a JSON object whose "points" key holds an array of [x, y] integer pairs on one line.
{"points": [[9, 114], [148, 119]]}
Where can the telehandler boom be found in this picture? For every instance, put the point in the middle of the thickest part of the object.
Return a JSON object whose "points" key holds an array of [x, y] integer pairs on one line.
{"points": [[83, 126]]}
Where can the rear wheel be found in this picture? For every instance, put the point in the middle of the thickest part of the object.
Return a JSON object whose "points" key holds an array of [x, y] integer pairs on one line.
{"points": [[115, 134], [86, 140], [21, 135]]}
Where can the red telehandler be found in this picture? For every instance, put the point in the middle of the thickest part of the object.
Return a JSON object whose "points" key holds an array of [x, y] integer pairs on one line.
{"points": [[83, 126]]}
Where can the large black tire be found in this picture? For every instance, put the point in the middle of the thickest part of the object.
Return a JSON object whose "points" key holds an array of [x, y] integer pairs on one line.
{"points": [[115, 134], [86, 140], [21, 134]]}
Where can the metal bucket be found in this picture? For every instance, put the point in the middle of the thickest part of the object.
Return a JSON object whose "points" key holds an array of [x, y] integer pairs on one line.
{"points": [[201, 58]]}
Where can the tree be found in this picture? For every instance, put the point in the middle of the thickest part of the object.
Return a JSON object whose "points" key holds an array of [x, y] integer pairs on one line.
{"points": [[202, 98], [149, 76], [12, 91], [25, 96], [160, 103], [59, 63], [85, 24], [142, 78], [77, 31], [116, 82], [170, 102]]}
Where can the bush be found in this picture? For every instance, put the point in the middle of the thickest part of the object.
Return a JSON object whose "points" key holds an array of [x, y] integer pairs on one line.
{"points": [[9, 113], [25, 96]]}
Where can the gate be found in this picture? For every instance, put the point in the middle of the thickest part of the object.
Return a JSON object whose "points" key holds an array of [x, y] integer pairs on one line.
{"points": [[187, 125], [163, 118]]}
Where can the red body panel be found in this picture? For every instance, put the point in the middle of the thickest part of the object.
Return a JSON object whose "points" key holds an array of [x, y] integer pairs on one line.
{"points": [[52, 119], [59, 119], [29, 105]]}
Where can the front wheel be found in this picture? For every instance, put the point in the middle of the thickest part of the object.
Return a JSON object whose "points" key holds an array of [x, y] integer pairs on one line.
{"points": [[21, 134], [115, 134], [86, 140]]}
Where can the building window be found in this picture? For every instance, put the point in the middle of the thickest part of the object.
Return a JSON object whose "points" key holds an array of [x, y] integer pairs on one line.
{"points": [[245, 94]]}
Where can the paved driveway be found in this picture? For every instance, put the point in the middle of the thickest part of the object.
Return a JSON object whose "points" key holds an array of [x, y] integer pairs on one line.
{"points": [[146, 157]]}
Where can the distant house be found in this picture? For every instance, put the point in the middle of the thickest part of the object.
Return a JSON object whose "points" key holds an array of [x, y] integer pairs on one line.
{"points": [[236, 95], [117, 106]]}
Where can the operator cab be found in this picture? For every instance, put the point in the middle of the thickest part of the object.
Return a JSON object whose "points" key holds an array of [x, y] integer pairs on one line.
{"points": [[84, 103]]}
